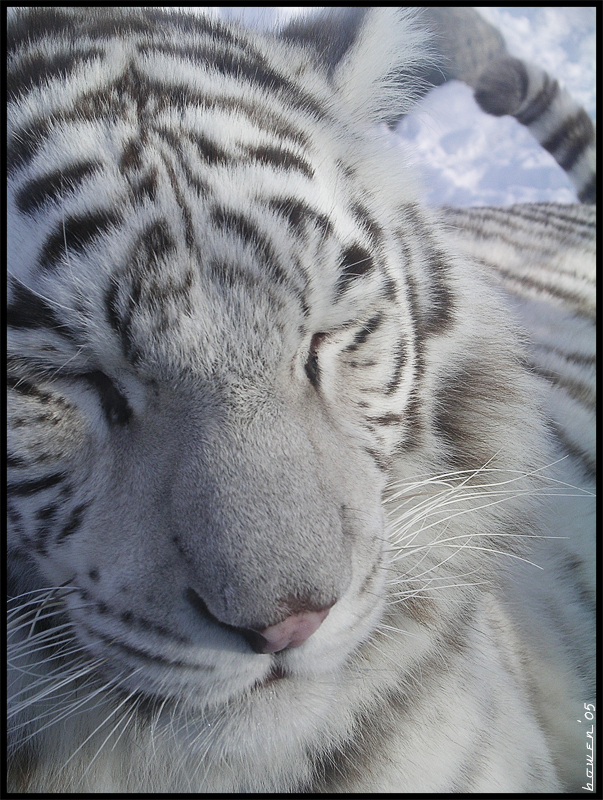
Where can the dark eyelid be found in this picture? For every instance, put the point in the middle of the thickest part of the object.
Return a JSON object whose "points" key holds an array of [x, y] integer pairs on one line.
{"points": [[115, 405], [312, 366]]}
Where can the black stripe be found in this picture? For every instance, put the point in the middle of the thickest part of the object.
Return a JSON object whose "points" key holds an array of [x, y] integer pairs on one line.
{"points": [[73, 524], [381, 462], [573, 449], [131, 156], [370, 225], [36, 23], [75, 234], [26, 488], [573, 298], [34, 70], [76, 22], [39, 191], [208, 150], [125, 294], [388, 291], [435, 314], [414, 423], [187, 217], [439, 316], [312, 365], [581, 391], [572, 356], [241, 226], [572, 137], [25, 143], [370, 327], [212, 153], [540, 103], [280, 158], [103, 25], [26, 388], [574, 220], [42, 534], [47, 512], [355, 261], [27, 310], [297, 213], [122, 322], [145, 188], [33, 24], [15, 461], [400, 357], [198, 25], [195, 183], [417, 325], [111, 305], [387, 419], [142, 655], [467, 407], [236, 223], [362, 335], [15, 517], [230, 275], [212, 31]]}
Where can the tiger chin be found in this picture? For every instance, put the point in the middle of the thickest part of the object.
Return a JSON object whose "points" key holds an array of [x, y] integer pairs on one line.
{"points": [[273, 443]]}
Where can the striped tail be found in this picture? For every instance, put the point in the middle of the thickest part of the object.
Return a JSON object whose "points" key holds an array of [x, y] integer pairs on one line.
{"points": [[553, 117]]}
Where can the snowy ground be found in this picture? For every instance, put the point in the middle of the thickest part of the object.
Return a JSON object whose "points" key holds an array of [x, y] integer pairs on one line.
{"points": [[467, 158]]}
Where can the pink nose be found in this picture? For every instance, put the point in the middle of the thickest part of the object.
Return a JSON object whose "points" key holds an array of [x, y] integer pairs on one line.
{"points": [[291, 632]]}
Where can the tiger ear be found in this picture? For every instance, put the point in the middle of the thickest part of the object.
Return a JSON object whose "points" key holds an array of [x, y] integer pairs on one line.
{"points": [[372, 55]]}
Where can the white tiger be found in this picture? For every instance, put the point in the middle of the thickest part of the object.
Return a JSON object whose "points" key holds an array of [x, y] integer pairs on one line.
{"points": [[275, 447]]}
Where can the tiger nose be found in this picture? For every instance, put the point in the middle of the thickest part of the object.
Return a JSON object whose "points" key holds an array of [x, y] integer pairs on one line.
{"points": [[290, 632]]}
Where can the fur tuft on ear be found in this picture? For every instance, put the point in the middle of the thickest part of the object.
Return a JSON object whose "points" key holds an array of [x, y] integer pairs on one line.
{"points": [[373, 56], [378, 75]]}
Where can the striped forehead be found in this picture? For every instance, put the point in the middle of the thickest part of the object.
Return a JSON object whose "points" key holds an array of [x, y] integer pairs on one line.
{"points": [[210, 163], [145, 77], [273, 263]]}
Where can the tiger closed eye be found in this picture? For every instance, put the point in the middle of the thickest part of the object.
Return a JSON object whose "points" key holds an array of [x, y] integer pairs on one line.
{"points": [[115, 405], [312, 366]]}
